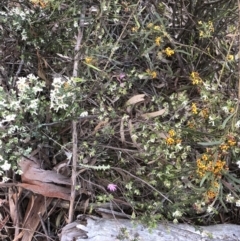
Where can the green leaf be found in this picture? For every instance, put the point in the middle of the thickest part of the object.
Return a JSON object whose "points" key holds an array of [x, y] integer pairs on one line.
{"points": [[222, 127], [184, 52], [232, 178], [211, 143], [93, 67], [204, 178]]}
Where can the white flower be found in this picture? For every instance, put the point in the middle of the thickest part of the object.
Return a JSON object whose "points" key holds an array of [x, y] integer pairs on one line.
{"points": [[237, 125], [22, 84], [75, 24], [230, 198], [33, 104], [37, 89], [210, 209], [225, 109], [57, 82], [176, 214], [24, 35], [178, 147], [6, 166], [204, 97], [238, 163], [211, 120], [5, 179], [32, 77], [238, 203], [207, 86], [84, 114], [8, 118], [175, 221]]}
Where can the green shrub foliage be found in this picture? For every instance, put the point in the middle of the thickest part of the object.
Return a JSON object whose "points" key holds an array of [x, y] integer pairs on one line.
{"points": [[156, 99]]}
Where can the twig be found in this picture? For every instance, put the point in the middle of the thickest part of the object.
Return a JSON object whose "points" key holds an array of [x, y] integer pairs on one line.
{"points": [[13, 198], [74, 123], [43, 226], [19, 68], [74, 170]]}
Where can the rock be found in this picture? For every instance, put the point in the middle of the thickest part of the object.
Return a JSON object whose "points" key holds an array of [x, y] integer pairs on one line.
{"points": [[99, 229]]}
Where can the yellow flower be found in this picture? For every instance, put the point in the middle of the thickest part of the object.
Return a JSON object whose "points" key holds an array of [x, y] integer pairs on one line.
{"points": [[169, 52], [190, 124], [211, 194], [204, 157], [42, 3], [150, 25], [194, 108], [224, 147], [158, 41], [210, 26], [196, 80], [135, 29], [171, 133], [157, 28], [230, 57], [215, 184], [178, 141], [152, 73], [204, 166], [201, 33], [170, 141], [219, 166], [88, 60], [205, 113], [232, 142]]}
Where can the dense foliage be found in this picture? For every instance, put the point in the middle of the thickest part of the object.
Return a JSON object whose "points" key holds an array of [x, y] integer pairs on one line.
{"points": [[156, 97]]}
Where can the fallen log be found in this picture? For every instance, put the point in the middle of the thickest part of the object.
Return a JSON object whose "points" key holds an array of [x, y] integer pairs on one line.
{"points": [[99, 229]]}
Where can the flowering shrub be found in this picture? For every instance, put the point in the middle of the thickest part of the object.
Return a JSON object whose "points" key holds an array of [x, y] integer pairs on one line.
{"points": [[155, 97], [17, 106]]}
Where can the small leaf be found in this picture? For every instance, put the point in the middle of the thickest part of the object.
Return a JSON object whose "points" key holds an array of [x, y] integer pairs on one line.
{"points": [[204, 178], [135, 99], [153, 114], [122, 135], [93, 67], [100, 125], [212, 143], [222, 127]]}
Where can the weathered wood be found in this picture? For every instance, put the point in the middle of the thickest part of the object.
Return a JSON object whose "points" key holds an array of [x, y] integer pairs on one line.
{"points": [[99, 229]]}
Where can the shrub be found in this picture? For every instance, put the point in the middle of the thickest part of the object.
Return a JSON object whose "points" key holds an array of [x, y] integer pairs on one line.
{"points": [[158, 87]]}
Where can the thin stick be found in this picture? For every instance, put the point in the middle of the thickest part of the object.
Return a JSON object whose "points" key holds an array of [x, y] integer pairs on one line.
{"points": [[74, 123], [43, 226], [74, 170], [15, 214]]}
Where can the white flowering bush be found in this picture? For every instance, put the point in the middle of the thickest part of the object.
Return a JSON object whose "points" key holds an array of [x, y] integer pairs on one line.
{"points": [[20, 109], [63, 96]]}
